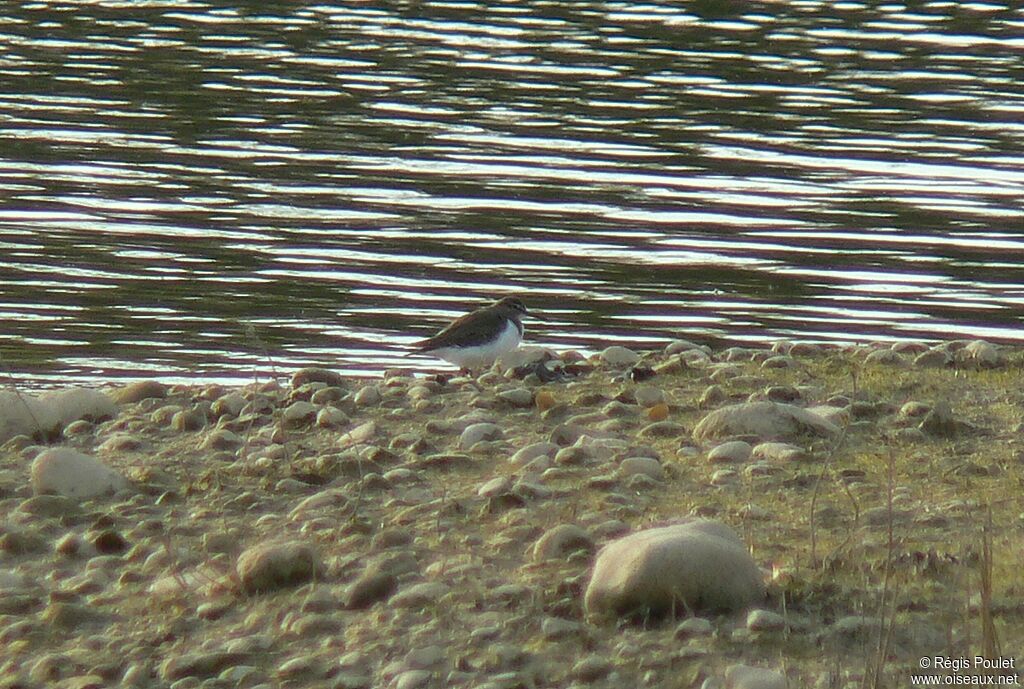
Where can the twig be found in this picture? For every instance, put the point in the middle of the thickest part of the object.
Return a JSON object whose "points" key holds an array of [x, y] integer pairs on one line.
{"points": [[989, 637]]}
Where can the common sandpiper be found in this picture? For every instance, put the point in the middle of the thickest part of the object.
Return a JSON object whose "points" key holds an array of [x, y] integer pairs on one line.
{"points": [[476, 340]]}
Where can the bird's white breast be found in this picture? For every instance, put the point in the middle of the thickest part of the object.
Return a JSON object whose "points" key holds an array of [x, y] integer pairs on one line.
{"points": [[481, 356]]}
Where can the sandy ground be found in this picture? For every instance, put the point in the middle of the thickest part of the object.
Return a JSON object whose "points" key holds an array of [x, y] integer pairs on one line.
{"points": [[333, 532]]}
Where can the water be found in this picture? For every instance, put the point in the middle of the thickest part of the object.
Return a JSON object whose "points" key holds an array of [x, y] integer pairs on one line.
{"points": [[192, 191]]}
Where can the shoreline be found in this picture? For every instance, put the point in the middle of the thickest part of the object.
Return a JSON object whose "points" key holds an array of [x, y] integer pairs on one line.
{"points": [[404, 531]]}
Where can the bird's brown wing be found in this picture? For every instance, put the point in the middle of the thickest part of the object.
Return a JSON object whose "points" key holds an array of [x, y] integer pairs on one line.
{"points": [[473, 329]]}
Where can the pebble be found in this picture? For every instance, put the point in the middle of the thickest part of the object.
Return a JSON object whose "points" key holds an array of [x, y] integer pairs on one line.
{"points": [[648, 395], [940, 422], [138, 391], [79, 428], [479, 432], [368, 396], [554, 628], [351, 679], [229, 405], [517, 397], [303, 668], [222, 439], [779, 452], [187, 420], [712, 396], [71, 616], [765, 621], [328, 395], [840, 416], [544, 400], [617, 410], [659, 412], [617, 356], [565, 434], [108, 541], [121, 442], [572, 455], [531, 490], [679, 346], [694, 626], [852, 630], [331, 417], [732, 452], [662, 429], [56, 506], [74, 475], [199, 664], [747, 677], [751, 512], [269, 566], [642, 466], [497, 486], [419, 595], [933, 358], [314, 374], [723, 477], [591, 668], [723, 373], [913, 410], [783, 393], [559, 541], [886, 357], [525, 455], [805, 349], [375, 584], [413, 679], [359, 435], [299, 414]]}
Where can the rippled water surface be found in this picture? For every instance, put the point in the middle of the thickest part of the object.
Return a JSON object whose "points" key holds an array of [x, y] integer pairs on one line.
{"points": [[193, 191]]}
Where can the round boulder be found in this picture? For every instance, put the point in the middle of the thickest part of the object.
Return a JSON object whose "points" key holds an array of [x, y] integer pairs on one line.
{"points": [[697, 565], [73, 474], [766, 420]]}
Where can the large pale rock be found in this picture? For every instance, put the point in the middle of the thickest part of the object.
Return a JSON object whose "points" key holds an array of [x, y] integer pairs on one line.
{"points": [[80, 403], [22, 414], [698, 565], [72, 474], [46, 415], [766, 420]]}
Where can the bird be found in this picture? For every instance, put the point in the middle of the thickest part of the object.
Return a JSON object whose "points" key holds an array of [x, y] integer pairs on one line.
{"points": [[477, 339]]}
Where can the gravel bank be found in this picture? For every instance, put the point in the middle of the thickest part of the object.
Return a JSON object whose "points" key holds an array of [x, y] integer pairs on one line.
{"points": [[429, 532]]}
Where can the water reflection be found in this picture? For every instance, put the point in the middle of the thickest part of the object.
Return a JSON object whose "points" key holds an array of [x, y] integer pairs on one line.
{"points": [[199, 191]]}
